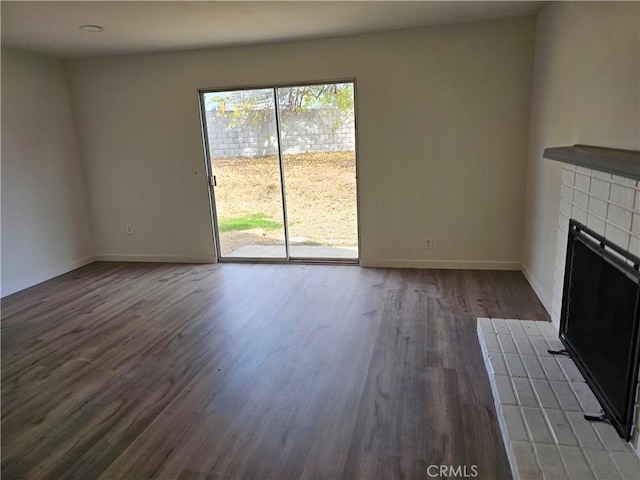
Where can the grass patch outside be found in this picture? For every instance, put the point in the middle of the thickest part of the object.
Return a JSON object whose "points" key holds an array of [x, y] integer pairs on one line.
{"points": [[247, 222]]}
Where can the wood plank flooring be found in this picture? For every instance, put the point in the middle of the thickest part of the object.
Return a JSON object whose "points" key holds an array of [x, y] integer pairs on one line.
{"points": [[232, 371]]}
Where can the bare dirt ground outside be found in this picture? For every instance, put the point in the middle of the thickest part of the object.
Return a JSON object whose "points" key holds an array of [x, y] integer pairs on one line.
{"points": [[320, 195]]}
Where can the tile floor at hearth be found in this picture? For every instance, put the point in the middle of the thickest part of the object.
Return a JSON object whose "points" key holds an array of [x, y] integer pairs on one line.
{"points": [[540, 401]]}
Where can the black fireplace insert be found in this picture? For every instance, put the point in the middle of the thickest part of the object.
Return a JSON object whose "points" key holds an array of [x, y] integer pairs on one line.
{"points": [[600, 321]]}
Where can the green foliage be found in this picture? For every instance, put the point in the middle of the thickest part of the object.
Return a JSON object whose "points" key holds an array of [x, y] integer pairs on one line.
{"points": [[327, 96], [247, 222], [254, 106], [241, 106]]}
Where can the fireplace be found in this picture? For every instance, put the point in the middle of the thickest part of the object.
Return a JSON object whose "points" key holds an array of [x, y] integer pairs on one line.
{"points": [[542, 399], [601, 190]]}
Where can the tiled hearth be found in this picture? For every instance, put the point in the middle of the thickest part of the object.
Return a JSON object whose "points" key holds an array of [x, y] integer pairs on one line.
{"points": [[540, 401]]}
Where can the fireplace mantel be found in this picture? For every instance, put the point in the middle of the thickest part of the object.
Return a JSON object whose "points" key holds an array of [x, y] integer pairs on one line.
{"points": [[625, 163]]}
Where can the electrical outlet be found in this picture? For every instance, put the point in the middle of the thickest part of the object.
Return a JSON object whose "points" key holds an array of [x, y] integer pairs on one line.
{"points": [[428, 243], [129, 229]]}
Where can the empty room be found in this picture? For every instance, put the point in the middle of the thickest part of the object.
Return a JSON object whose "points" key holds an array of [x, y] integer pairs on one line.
{"points": [[323, 240]]}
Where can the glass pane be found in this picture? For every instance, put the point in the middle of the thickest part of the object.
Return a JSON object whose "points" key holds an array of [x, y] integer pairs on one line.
{"points": [[318, 141], [243, 146]]}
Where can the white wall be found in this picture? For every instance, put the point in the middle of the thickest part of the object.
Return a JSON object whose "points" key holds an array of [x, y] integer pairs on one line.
{"points": [[443, 121], [45, 223], [585, 90]]}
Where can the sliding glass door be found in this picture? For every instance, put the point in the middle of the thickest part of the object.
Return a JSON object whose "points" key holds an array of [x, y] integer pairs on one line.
{"points": [[317, 126], [244, 159], [283, 170]]}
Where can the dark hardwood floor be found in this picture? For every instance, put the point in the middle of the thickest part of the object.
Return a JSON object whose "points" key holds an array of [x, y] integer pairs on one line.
{"points": [[252, 371]]}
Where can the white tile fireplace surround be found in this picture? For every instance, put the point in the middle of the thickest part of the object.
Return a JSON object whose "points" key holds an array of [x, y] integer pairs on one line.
{"points": [[540, 401], [609, 205]]}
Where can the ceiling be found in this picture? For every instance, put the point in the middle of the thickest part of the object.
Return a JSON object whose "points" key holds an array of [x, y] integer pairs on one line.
{"points": [[52, 28]]}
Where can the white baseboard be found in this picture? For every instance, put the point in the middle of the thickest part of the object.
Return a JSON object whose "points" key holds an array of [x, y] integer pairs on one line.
{"points": [[546, 303], [440, 264], [120, 257], [13, 287]]}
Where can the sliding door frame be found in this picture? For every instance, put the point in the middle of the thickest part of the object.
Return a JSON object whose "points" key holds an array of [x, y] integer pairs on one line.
{"points": [[211, 184], [283, 189]]}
